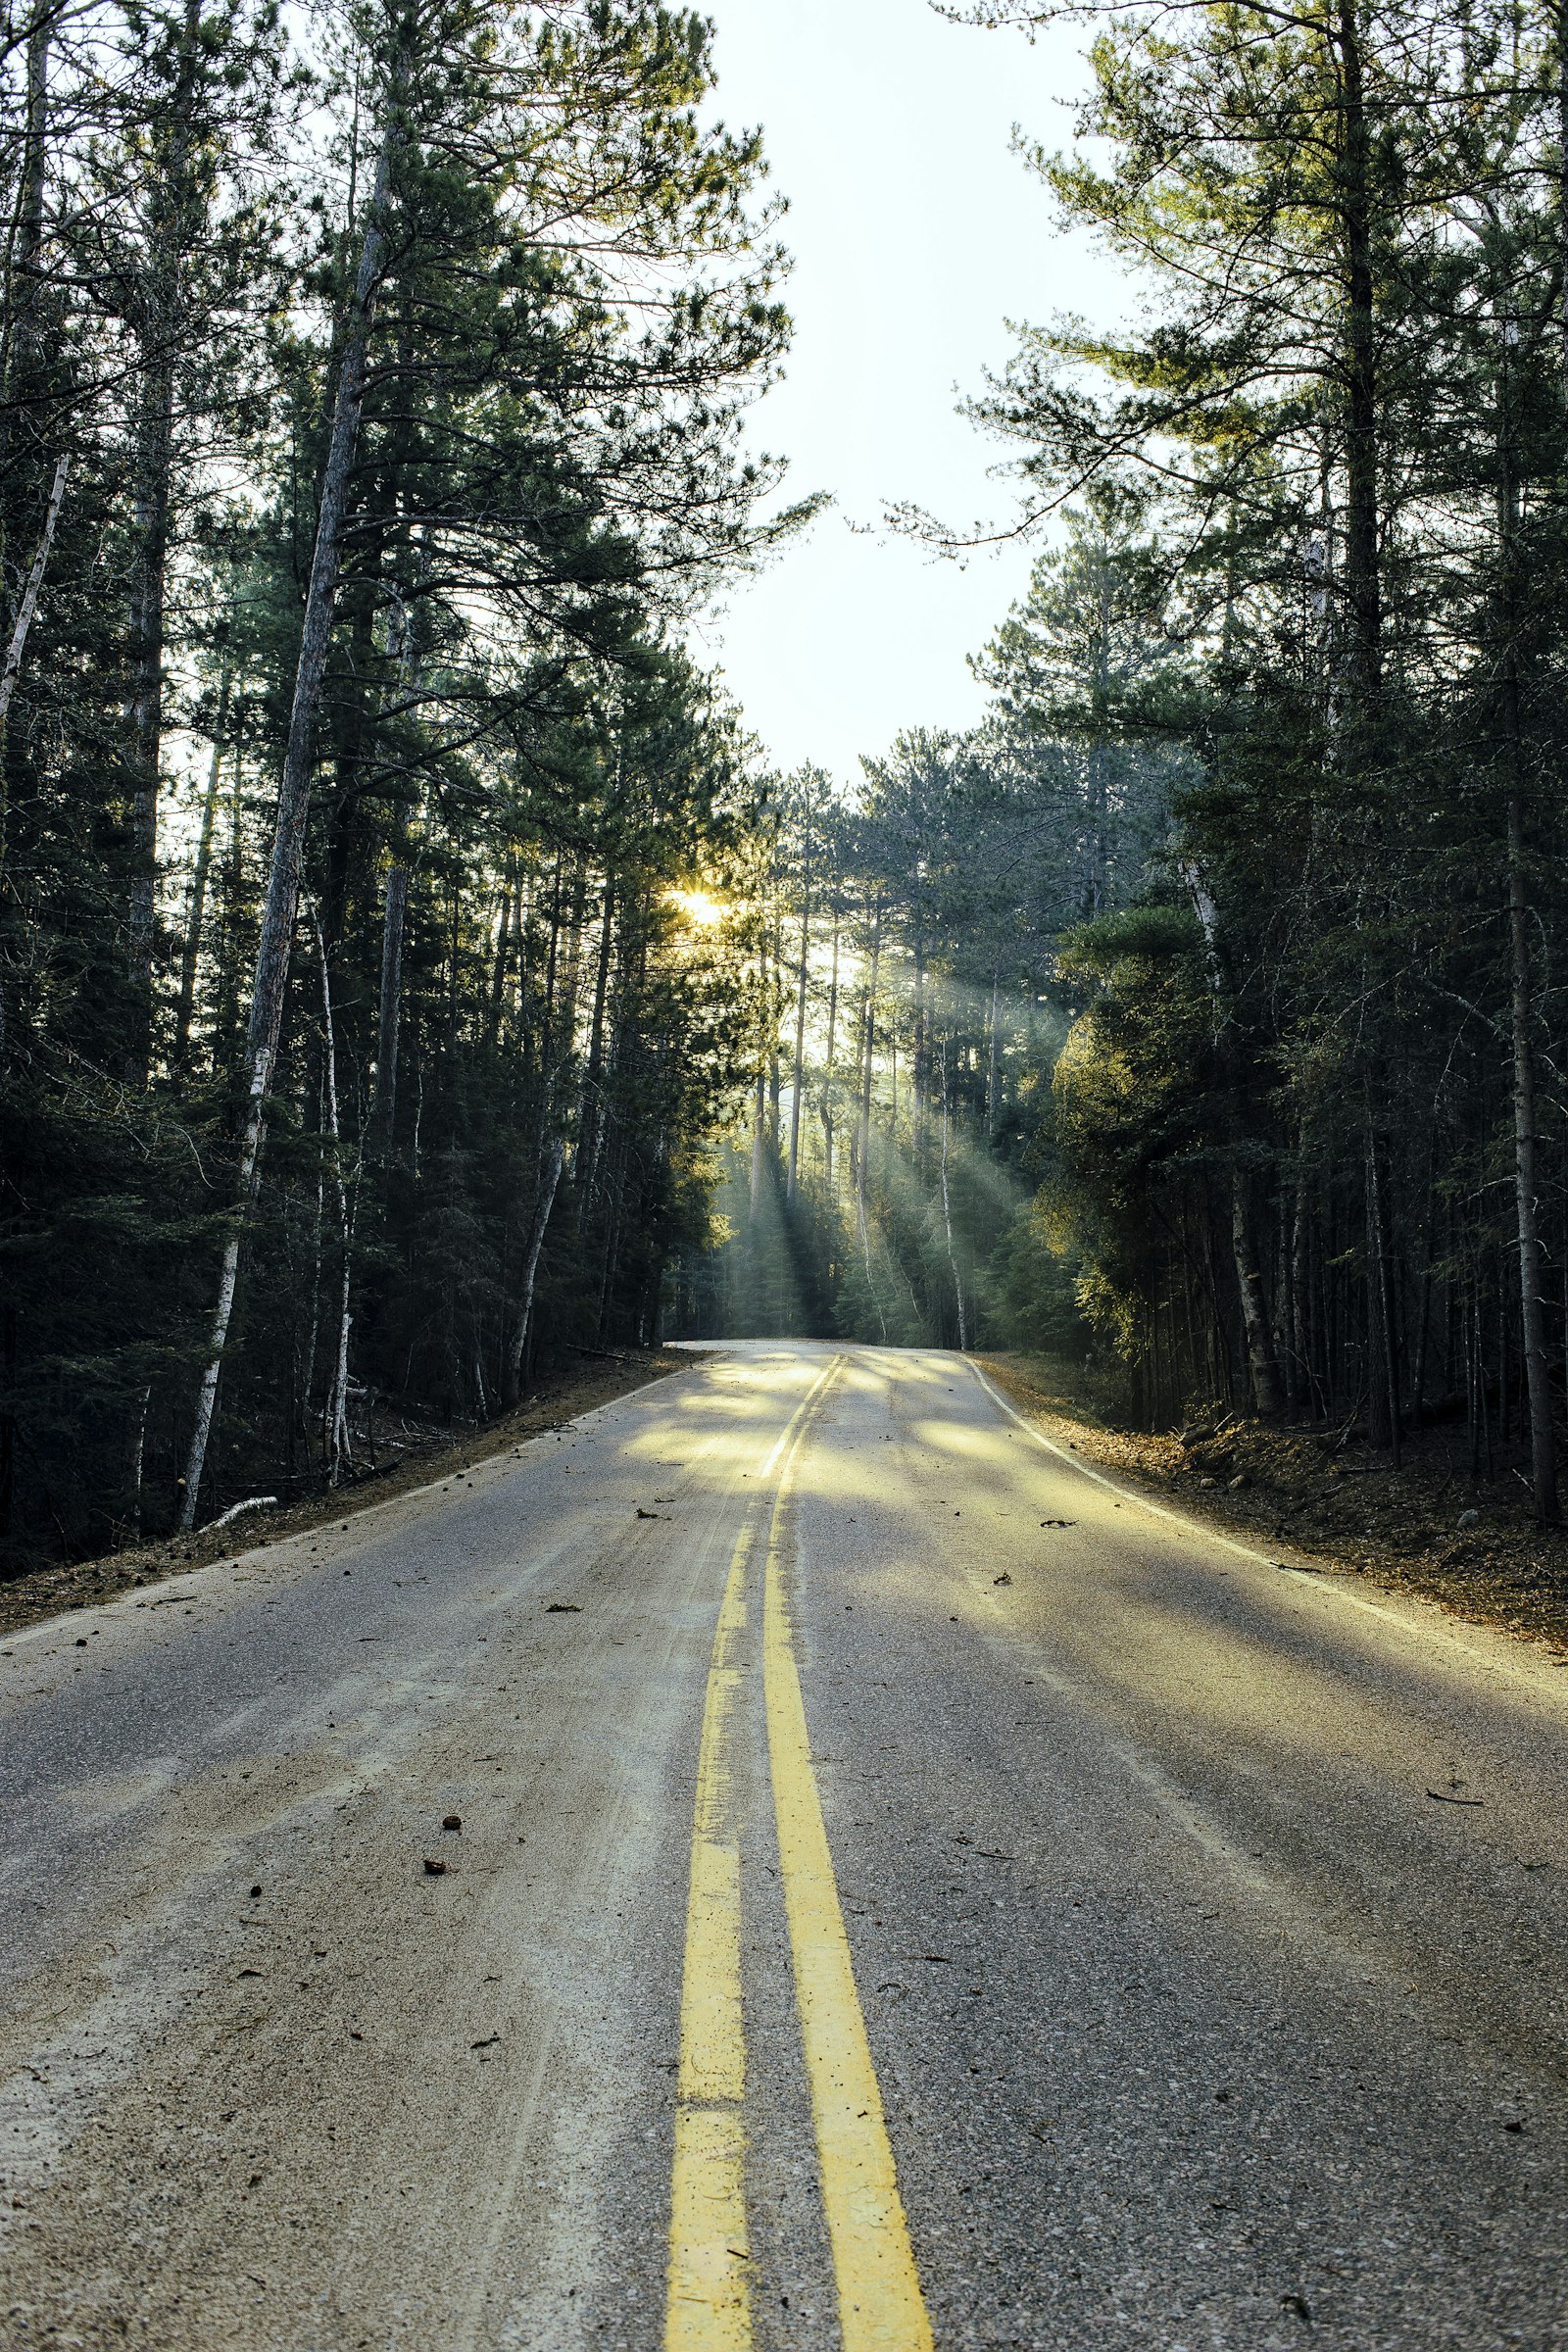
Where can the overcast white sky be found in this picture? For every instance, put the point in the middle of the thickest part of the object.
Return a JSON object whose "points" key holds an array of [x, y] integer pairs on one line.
{"points": [[916, 235]]}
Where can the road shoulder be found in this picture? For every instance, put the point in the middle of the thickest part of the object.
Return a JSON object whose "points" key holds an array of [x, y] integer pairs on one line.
{"points": [[1291, 1497], [56, 1591]]}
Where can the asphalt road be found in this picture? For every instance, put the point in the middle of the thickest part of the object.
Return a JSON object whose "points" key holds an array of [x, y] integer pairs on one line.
{"points": [[907, 1892]]}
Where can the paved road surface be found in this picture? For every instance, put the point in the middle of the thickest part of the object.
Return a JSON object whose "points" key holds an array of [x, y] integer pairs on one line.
{"points": [[907, 1893]]}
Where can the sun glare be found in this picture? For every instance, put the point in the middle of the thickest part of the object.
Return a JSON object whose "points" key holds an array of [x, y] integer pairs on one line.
{"points": [[697, 906]]}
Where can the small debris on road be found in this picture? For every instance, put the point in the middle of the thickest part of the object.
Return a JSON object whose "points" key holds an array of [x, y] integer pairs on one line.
{"points": [[435, 1867], [453, 1821], [561, 1608], [1003, 1578]]}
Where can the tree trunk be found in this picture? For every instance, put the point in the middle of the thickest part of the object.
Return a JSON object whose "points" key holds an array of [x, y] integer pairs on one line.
{"points": [[544, 1201], [864, 1147], [919, 1072], [191, 949], [1527, 1184], [759, 1143], [590, 1119], [29, 594], [275, 944], [947, 1212], [339, 1451], [800, 1044], [389, 1012], [502, 963], [827, 1065], [994, 1067], [1262, 1360], [1361, 553], [173, 231], [12, 669], [1268, 1394], [1381, 1277], [1520, 992]]}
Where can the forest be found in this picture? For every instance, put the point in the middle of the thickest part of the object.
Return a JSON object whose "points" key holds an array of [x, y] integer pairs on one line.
{"points": [[371, 391], [1204, 1006], [409, 969]]}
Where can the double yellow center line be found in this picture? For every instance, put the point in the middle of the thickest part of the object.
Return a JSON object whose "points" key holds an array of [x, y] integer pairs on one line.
{"points": [[709, 2306]]}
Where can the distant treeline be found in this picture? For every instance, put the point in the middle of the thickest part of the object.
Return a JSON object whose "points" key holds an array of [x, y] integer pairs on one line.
{"points": [[367, 423], [1299, 1134]]}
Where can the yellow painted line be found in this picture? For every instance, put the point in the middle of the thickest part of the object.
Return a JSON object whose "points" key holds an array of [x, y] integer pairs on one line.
{"points": [[881, 2307], [708, 2306]]}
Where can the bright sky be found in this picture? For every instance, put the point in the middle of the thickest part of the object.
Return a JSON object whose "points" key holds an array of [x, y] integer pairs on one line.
{"points": [[917, 236]]}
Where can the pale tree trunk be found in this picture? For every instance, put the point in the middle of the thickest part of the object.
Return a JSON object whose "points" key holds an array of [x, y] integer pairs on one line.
{"points": [[389, 1013], [994, 1068], [759, 1143], [544, 1201], [22, 306], [947, 1210], [147, 699], [18, 311], [863, 1151], [559, 1031], [917, 1060], [191, 951], [1268, 1394], [800, 1044], [590, 1119], [1362, 564], [138, 1456], [502, 963], [864, 1139], [827, 1065], [1526, 1185], [338, 1447], [1521, 995], [10, 671], [173, 232], [776, 1014], [1262, 1360], [389, 1009], [12, 667], [282, 906]]}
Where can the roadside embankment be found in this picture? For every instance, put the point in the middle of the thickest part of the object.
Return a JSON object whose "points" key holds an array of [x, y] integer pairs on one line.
{"points": [[1424, 1527], [423, 1455]]}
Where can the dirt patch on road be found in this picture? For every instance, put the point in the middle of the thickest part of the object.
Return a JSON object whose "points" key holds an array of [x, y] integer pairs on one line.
{"points": [[84, 1584], [1424, 1527]]}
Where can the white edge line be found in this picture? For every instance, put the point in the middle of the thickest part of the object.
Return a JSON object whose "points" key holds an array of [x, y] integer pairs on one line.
{"points": [[1419, 1629]]}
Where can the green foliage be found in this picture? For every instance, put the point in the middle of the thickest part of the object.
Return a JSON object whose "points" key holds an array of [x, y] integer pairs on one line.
{"points": [[514, 761]]}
